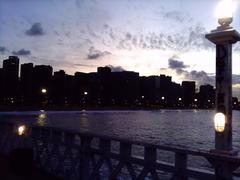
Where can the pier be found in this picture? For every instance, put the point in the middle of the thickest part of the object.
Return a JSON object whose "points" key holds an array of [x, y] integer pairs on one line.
{"points": [[74, 155]]}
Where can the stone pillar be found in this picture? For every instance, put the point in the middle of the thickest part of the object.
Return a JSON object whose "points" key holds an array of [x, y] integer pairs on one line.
{"points": [[224, 40]]}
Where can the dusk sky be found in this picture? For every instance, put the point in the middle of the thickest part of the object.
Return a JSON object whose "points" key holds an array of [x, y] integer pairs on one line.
{"points": [[151, 37]]}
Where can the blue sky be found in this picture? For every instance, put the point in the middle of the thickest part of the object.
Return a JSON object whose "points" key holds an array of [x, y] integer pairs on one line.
{"points": [[151, 37]]}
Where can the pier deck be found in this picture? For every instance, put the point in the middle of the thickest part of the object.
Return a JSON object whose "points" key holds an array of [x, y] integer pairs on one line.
{"points": [[34, 174]]}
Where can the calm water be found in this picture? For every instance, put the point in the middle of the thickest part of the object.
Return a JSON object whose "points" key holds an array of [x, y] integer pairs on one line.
{"points": [[191, 128]]}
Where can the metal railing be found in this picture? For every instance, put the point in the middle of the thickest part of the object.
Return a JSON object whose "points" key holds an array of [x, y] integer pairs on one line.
{"points": [[77, 155]]}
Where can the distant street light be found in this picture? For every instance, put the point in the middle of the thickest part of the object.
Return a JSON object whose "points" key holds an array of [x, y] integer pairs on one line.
{"points": [[179, 99], [163, 98], [85, 93], [44, 91], [195, 100]]}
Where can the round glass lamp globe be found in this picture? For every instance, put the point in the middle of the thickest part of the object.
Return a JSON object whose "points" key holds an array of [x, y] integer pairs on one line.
{"points": [[219, 122], [224, 12], [225, 9]]}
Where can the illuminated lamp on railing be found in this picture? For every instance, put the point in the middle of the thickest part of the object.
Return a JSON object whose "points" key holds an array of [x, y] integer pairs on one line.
{"points": [[21, 130], [219, 122]]}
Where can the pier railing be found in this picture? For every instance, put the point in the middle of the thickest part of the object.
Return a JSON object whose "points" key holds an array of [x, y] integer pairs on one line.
{"points": [[77, 155]]}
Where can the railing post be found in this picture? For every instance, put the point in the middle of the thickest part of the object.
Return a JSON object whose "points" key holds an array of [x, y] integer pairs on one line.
{"points": [[84, 166], [180, 166], [105, 150], [125, 155], [150, 157], [125, 151], [223, 169]]}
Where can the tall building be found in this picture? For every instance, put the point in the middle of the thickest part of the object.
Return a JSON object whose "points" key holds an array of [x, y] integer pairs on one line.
{"points": [[42, 76], [94, 85], [188, 93], [10, 79], [150, 90], [206, 96], [58, 87], [69, 89], [176, 95], [1, 85], [165, 90], [125, 87], [105, 92], [26, 83], [80, 90]]}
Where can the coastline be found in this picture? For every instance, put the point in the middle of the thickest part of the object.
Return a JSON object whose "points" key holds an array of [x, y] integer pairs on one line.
{"points": [[93, 108]]}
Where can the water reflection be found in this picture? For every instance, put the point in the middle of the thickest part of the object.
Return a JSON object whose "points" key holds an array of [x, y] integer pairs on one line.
{"points": [[41, 118]]}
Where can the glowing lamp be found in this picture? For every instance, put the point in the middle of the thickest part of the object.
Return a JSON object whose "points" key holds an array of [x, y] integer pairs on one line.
{"points": [[21, 130], [44, 91], [219, 122], [163, 98], [179, 99], [224, 13], [85, 93]]}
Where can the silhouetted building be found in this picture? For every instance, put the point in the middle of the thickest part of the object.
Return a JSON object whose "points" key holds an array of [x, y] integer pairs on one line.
{"points": [[37, 86], [150, 90], [94, 89], [42, 76], [235, 102], [188, 93], [58, 88], [165, 90], [69, 89], [1, 86], [81, 88], [105, 92], [206, 96], [176, 95], [125, 88], [10, 79], [26, 83]]}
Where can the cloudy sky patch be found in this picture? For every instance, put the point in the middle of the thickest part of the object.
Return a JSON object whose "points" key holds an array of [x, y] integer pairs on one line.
{"points": [[135, 35]]}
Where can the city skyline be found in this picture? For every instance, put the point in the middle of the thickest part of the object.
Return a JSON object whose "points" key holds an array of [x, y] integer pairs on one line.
{"points": [[161, 37], [28, 83]]}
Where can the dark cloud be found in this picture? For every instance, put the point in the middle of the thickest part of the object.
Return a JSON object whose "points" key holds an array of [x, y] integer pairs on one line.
{"points": [[175, 64], [176, 16], [95, 53], [116, 68], [21, 52], [187, 39], [3, 49], [178, 67], [35, 30], [84, 65], [201, 77]]}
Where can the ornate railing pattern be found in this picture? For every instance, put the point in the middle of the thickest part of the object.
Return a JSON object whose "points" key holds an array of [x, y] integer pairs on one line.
{"points": [[75, 155]]}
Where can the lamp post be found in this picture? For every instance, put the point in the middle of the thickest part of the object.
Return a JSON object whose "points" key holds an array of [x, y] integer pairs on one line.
{"points": [[223, 37]]}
